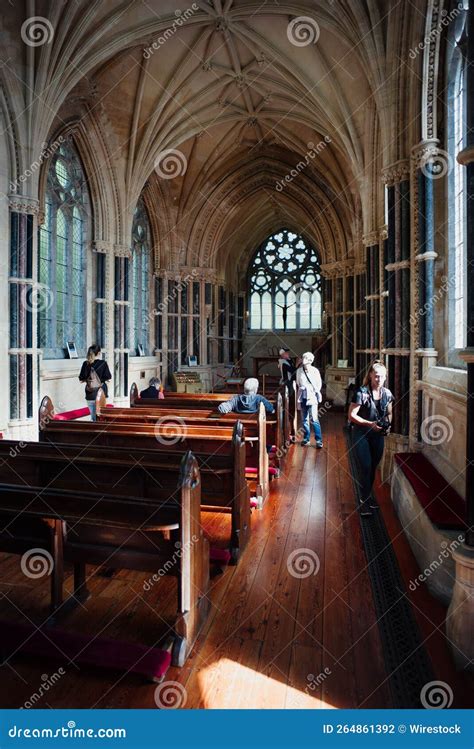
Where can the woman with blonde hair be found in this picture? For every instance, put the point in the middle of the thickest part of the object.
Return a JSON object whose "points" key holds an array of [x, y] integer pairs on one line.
{"points": [[370, 414]]}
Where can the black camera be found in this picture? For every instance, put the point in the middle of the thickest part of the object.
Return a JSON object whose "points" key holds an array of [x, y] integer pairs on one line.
{"points": [[385, 425]]}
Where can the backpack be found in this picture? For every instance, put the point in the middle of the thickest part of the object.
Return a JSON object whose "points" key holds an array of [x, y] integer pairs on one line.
{"points": [[93, 381]]}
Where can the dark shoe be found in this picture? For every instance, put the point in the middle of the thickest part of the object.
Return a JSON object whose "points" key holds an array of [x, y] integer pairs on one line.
{"points": [[365, 511], [304, 444], [373, 505], [319, 444]]}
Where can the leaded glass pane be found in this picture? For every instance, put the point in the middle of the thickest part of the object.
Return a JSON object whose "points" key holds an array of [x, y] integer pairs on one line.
{"points": [[141, 234], [61, 266], [285, 276]]}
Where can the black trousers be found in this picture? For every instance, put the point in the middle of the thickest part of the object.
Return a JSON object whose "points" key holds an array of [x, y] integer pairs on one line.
{"points": [[368, 448]]}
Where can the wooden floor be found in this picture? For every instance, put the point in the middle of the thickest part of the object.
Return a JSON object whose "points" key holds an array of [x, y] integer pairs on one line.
{"points": [[274, 639]]}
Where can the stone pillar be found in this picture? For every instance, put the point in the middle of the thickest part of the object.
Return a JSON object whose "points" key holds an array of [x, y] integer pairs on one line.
{"points": [[396, 332], [121, 325], [26, 298], [372, 299], [425, 163], [460, 618]]}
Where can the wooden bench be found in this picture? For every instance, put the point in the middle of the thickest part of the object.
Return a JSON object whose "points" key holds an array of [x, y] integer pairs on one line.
{"points": [[277, 424], [221, 460], [258, 431], [117, 515]]}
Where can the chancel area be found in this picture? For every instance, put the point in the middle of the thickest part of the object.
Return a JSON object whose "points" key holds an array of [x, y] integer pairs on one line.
{"points": [[237, 315]]}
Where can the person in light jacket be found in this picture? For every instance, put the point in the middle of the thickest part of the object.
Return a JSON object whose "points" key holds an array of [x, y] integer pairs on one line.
{"points": [[309, 385]]}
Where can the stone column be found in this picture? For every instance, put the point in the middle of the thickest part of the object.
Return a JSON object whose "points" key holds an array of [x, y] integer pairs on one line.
{"points": [[460, 619], [425, 163], [121, 322], [396, 332], [373, 297], [26, 299]]}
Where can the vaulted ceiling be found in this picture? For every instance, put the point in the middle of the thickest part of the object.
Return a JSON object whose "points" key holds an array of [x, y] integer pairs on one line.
{"points": [[210, 104]]}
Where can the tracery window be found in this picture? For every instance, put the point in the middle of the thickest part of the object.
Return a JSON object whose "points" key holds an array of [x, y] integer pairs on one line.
{"points": [[141, 249], [62, 241], [285, 284]]}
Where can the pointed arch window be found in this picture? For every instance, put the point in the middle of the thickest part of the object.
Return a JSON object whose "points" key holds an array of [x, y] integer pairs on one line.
{"points": [[141, 255], [285, 290], [62, 242]]}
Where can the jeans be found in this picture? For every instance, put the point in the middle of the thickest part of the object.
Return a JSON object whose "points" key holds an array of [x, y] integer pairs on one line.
{"points": [[368, 448], [309, 413], [91, 406]]}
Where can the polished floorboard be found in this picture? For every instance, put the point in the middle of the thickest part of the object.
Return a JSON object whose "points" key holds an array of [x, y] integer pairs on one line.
{"points": [[292, 626]]}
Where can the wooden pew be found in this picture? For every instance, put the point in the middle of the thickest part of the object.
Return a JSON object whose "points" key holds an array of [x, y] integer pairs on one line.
{"points": [[123, 527], [222, 460], [278, 428], [200, 439], [259, 431]]}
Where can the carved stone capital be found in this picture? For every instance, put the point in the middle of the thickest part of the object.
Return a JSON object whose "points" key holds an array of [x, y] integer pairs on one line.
{"points": [[101, 245], [122, 250], [370, 239], [397, 172], [333, 270], [23, 204], [424, 151]]}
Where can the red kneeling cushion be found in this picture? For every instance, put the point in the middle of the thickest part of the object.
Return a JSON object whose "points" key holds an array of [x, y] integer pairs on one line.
{"points": [[222, 556], [76, 413], [441, 502]]}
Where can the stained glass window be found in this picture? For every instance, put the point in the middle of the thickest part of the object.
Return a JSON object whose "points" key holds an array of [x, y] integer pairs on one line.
{"points": [[285, 284], [141, 244], [62, 255]]}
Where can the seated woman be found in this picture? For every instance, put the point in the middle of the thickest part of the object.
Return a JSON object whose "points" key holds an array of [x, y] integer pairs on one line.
{"points": [[153, 390], [247, 403], [370, 414]]}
